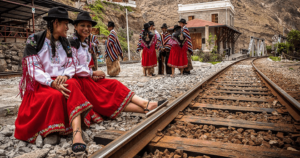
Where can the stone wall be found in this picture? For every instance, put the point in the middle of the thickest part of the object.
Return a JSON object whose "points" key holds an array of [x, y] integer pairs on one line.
{"points": [[11, 55]]}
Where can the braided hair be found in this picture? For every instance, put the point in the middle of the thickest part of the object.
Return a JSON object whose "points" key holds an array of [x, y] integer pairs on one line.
{"points": [[64, 42]]}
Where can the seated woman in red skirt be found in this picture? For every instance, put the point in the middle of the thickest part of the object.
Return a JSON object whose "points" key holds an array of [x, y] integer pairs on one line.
{"points": [[109, 97], [178, 54], [149, 43], [47, 70]]}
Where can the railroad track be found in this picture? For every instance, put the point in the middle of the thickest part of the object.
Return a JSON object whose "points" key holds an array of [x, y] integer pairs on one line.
{"points": [[10, 73], [237, 112]]}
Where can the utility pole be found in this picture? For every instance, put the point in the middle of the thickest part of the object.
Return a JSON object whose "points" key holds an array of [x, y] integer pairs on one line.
{"points": [[127, 35]]}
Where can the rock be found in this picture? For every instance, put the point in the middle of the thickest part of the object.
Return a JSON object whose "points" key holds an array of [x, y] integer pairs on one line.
{"points": [[3, 65], [100, 128], [273, 142], [240, 130], [287, 140], [15, 58], [6, 132], [8, 61], [66, 145], [14, 53], [62, 152], [275, 113], [291, 149], [140, 85], [80, 155], [39, 141], [25, 149], [93, 148], [119, 119], [265, 144], [85, 137], [36, 154], [2, 152], [2, 56], [21, 144], [52, 139], [46, 146], [280, 135]]}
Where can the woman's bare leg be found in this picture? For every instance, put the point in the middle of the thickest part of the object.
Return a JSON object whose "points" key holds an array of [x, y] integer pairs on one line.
{"points": [[131, 107], [76, 125], [173, 72], [181, 71], [143, 103]]}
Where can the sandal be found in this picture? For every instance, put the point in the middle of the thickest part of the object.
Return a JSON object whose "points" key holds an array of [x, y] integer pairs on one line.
{"points": [[78, 147], [160, 104]]}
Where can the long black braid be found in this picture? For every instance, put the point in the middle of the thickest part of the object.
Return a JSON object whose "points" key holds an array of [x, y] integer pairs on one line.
{"points": [[64, 42]]}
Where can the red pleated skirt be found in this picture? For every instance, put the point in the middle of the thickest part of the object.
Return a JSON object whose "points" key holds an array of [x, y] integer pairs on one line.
{"points": [[178, 56], [109, 97], [149, 58], [45, 110]]}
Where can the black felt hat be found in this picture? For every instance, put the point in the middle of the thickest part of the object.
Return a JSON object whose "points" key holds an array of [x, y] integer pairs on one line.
{"points": [[151, 23], [111, 24], [164, 26], [176, 27], [182, 21], [84, 16], [57, 13], [146, 26]]}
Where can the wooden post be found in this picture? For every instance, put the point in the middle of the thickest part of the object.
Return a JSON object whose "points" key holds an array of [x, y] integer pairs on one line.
{"points": [[32, 2]]}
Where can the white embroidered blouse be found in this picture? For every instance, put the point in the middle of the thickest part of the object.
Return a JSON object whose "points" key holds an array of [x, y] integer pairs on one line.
{"points": [[44, 66], [83, 60]]}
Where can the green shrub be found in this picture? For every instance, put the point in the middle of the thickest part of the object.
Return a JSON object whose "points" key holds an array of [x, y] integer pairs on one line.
{"points": [[195, 58], [275, 58], [201, 59], [215, 62]]}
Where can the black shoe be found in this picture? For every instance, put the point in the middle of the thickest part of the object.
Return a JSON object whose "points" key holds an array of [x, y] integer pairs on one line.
{"points": [[186, 72], [78, 147]]}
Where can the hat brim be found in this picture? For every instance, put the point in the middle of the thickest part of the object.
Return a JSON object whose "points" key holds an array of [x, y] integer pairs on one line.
{"points": [[94, 23], [47, 18], [182, 22]]}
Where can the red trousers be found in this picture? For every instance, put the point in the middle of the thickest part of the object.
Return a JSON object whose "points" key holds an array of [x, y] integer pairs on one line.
{"points": [[45, 110]]}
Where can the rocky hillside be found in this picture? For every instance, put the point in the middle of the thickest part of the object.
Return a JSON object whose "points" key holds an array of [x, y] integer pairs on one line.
{"points": [[260, 18]]}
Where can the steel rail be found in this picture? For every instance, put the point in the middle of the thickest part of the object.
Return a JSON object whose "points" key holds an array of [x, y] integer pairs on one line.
{"points": [[10, 73], [133, 141], [283, 97]]}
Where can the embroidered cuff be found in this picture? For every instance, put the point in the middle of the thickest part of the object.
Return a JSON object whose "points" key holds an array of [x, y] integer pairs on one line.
{"points": [[48, 83], [91, 72]]}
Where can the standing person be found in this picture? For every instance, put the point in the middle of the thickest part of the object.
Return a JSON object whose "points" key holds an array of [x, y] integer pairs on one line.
{"points": [[94, 51], [153, 30], [53, 100], [186, 33], [165, 51], [112, 51], [178, 54], [108, 96], [148, 43]]}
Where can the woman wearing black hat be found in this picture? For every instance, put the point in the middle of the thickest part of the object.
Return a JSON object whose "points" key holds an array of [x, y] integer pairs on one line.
{"points": [[178, 57], [47, 68], [148, 43], [108, 96], [182, 23]]}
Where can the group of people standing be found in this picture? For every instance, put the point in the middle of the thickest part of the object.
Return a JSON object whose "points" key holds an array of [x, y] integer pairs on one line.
{"points": [[60, 91], [174, 51]]}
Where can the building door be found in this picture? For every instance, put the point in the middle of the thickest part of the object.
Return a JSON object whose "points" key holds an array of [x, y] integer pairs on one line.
{"points": [[196, 40]]}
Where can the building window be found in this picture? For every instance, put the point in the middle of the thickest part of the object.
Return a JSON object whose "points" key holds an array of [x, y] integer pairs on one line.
{"points": [[215, 18], [191, 18]]}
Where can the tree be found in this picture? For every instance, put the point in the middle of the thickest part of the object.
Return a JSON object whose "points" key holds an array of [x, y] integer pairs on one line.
{"points": [[294, 39]]}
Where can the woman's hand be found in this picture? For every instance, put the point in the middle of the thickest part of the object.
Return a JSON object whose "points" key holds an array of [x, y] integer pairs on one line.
{"points": [[61, 79], [62, 88], [99, 73], [95, 78]]}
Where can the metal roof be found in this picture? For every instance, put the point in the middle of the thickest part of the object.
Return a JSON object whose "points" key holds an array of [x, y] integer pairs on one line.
{"points": [[21, 9]]}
